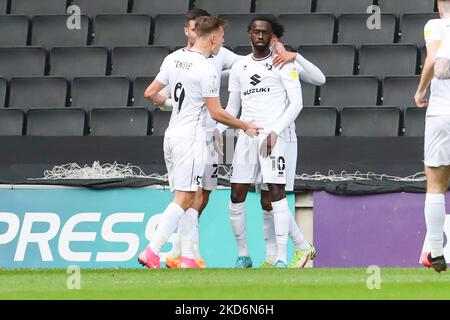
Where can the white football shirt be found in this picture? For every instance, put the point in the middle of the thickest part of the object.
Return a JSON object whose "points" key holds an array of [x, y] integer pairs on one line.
{"points": [[439, 103], [263, 90], [191, 78]]}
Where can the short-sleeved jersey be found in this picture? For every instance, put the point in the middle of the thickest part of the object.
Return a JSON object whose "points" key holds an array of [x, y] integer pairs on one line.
{"points": [[191, 78], [263, 89], [438, 30]]}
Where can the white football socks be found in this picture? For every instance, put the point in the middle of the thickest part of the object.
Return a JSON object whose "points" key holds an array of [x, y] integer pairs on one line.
{"points": [[281, 213], [269, 236], [435, 219], [167, 223], [237, 219], [187, 230], [296, 235]]}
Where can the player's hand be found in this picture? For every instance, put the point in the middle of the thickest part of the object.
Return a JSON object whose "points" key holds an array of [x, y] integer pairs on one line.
{"points": [[164, 96], [218, 141], [268, 144], [252, 130], [420, 99], [280, 56]]}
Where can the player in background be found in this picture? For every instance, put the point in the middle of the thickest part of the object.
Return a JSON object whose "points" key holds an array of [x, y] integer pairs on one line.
{"points": [[272, 97], [437, 135], [193, 86], [223, 61]]}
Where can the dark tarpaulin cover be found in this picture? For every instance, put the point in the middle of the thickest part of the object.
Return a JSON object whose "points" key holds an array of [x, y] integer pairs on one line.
{"points": [[24, 159]]}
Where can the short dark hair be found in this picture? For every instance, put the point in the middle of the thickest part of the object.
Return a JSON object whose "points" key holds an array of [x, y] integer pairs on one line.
{"points": [[195, 13], [207, 24], [277, 28]]}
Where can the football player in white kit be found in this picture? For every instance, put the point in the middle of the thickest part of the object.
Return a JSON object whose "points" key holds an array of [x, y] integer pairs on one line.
{"points": [[193, 88], [437, 133], [224, 60], [272, 98]]}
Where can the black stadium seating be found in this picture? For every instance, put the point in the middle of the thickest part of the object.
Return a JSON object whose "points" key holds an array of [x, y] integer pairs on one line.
{"points": [[3, 6], [370, 122], [78, 61], [342, 62], [11, 122], [283, 6], [399, 91], [92, 92], [353, 29], [3, 87], [317, 122], [229, 6], [14, 30], [160, 122], [22, 62], [138, 61], [38, 7], [169, 30], [139, 87], [302, 29], [309, 94], [95, 7], [51, 31], [402, 6], [344, 91], [119, 122], [55, 122], [415, 122], [38, 92], [122, 30], [154, 7], [343, 6], [412, 27]]}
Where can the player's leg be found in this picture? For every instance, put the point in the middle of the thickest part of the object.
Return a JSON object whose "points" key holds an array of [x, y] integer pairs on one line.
{"points": [[244, 171], [437, 186], [269, 230]]}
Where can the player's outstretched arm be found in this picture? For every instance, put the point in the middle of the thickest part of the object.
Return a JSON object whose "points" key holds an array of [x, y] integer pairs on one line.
{"points": [[153, 93], [309, 72], [233, 107], [220, 115]]}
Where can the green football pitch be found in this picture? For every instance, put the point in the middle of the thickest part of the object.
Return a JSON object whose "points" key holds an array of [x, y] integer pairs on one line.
{"points": [[225, 284]]}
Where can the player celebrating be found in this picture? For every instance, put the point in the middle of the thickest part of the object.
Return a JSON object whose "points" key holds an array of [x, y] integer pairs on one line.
{"points": [[437, 133], [265, 92], [193, 86]]}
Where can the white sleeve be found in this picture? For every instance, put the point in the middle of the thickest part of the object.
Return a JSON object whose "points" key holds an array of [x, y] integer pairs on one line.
{"points": [[233, 80], [230, 59], [292, 111], [164, 74], [233, 107], [433, 31], [308, 72], [209, 82]]}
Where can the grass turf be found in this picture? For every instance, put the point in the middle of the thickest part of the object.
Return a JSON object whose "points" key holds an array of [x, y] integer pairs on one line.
{"points": [[225, 284]]}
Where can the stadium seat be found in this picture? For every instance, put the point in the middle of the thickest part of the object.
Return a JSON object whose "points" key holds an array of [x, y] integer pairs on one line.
{"points": [[317, 122], [138, 61], [154, 7], [92, 8], [370, 122], [353, 29], [3, 6], [22, 62], [310, 28], [55, 122], [51, 31], [402, 6], [309, 94], [169, 30], [349, 91], [37, 92], [161, 121], [39, 7], [78, 62], [11, 122], [337, 60], [93, 92], [14, 30], [122, 122], [399, 91], [414, 122], [236, 32], [384, 60], [139, 87], [224, 93], [3, 87], [283, 6], [229, 6], [412, 27], [122, 30], [343, 6]]}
